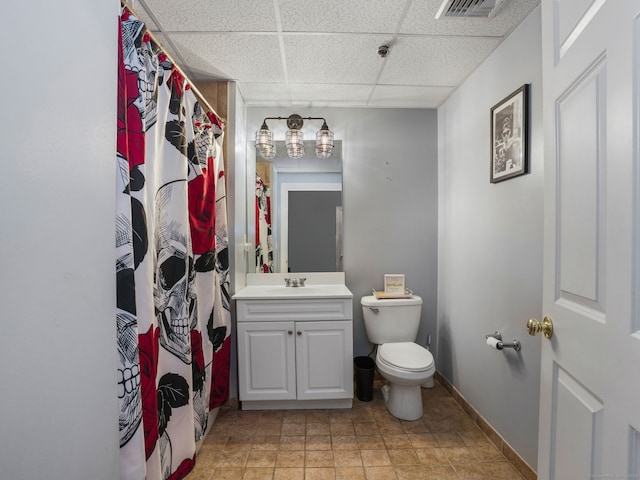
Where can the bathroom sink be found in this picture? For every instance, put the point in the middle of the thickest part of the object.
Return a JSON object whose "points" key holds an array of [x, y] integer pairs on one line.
{"points": [[319, 285], [282, 292]]}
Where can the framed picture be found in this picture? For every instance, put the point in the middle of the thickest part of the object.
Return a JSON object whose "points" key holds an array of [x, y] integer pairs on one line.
{"points": [[509, 136]]}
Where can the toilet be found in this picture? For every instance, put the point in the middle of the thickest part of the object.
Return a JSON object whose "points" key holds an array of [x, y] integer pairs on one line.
{"points": [[392, 325]]}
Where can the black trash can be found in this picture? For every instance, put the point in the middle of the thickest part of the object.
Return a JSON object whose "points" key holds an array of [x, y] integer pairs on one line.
{"points": [[364, 371]]}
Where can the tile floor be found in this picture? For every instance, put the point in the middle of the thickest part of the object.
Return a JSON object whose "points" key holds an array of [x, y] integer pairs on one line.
{"points": [[361, 443]]}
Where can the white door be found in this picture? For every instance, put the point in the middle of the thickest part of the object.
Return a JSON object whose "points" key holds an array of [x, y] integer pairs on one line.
{"points": [[324, 358], [590, 383], [266, 361]]}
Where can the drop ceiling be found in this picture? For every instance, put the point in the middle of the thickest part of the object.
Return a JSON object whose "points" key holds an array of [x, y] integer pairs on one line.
{"points": [[324, 53]]}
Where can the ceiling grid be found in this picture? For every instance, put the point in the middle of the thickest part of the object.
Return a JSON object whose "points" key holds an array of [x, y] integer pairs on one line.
{"points": [[319, 54]]}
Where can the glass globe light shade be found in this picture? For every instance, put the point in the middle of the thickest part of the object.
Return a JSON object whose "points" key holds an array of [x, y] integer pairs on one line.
{"points": [[295, 143], [324, 142], [264, 143]]}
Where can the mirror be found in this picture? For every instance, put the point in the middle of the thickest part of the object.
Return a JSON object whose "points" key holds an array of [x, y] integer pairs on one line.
{"points": [[298, 211]]}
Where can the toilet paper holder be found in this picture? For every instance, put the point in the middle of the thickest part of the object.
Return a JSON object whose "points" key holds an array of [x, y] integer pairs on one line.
{"points": [[501, 345]]}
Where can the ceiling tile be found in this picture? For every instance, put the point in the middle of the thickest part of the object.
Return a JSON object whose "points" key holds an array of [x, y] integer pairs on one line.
{"points": [[255, 93], [141, 14], [174, 54], [342, 16], [249, 58], [403, 96], [440, 61], [316, 95], [421, 19], [332, 58], [214, 15]]}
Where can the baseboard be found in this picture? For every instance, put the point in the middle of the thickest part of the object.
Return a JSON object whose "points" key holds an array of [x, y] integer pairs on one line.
{"points": [[511, 455]]}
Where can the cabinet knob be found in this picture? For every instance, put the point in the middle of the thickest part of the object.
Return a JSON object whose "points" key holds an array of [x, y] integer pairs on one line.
{"points": [[299, 333], [290, 332]]}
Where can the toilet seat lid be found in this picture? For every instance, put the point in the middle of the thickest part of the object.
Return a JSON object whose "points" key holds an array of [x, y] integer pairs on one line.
{"points": [[406, 355]]}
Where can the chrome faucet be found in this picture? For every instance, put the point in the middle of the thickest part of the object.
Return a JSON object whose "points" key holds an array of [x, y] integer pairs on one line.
{"points": [[294, 282]]}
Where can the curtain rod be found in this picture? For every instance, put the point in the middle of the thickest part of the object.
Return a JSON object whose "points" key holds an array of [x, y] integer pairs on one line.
{"points": [[196, 92]]}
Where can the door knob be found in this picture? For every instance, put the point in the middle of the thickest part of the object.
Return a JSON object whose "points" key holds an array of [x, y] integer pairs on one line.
{"points": [[546, 327]]}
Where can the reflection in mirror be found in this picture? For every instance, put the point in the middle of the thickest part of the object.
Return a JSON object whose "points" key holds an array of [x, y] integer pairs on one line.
{"points": [[264, 237], [298, 212]]}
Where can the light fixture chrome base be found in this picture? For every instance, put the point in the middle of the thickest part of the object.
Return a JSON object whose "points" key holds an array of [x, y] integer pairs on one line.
{"points": [[294, 121]]}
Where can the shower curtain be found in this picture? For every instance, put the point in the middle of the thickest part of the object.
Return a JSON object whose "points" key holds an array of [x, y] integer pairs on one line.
{"points": [[173, 313]]}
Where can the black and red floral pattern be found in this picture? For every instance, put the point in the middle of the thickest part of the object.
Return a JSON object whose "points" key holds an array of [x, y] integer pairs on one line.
{"points": [[173, 312]]}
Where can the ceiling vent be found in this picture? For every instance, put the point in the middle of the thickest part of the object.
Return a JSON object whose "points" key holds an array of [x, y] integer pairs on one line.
{"points": [[469, 8]]}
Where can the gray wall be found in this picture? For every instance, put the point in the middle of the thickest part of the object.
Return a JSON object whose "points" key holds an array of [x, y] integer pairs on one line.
{"points": [[389, 199], [490, 258], [59, 405]]}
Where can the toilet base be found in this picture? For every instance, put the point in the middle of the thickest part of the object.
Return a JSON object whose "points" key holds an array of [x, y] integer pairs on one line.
{"points": [[403, 401], [430, 383]]}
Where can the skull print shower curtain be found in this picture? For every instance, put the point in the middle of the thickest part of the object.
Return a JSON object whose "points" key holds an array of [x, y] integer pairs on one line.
{"points": [[173, 314]]}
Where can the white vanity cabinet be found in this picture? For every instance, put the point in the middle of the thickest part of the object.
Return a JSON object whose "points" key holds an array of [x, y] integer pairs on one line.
{"points": [[295, 352]]}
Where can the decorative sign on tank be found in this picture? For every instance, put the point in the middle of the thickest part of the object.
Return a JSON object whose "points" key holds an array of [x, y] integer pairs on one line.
{"points": [[394, 284]]}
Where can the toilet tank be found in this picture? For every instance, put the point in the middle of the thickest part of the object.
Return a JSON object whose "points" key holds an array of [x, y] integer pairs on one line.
{"points": [[391, 320]]}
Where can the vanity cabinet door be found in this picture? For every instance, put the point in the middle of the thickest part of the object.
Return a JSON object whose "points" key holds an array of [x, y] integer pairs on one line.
{"points": [[324, 359], [266, 360]]}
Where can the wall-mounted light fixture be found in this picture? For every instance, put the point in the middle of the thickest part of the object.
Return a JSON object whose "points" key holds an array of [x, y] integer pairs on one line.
{"points": [[266, 147]]}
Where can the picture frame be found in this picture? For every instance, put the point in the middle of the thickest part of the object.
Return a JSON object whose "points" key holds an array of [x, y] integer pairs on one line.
{"points": [[510, 136]]}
